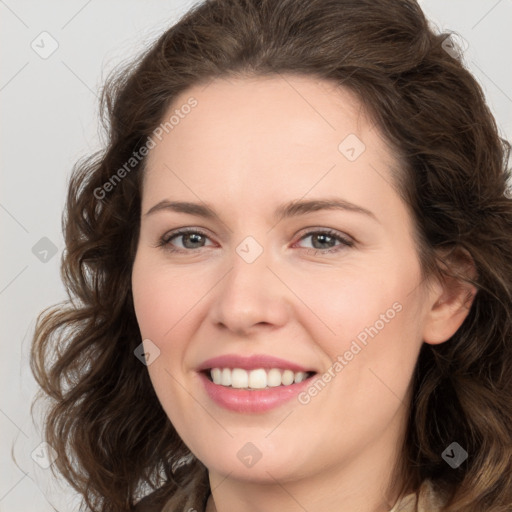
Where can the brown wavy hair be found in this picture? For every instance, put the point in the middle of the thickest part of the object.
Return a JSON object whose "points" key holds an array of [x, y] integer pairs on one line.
{"points": [[113, 439]]}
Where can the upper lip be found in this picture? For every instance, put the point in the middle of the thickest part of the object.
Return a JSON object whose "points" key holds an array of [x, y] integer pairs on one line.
{"points": [[251, 363]]}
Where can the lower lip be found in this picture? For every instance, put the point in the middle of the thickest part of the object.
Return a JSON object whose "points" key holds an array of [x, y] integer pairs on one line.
{"points": [[259, 400]]}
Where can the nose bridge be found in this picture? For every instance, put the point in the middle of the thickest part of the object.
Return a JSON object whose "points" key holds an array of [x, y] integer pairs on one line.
{"points": [[250, 293]]}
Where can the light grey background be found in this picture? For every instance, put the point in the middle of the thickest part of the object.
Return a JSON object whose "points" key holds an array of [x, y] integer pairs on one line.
{"points": [[49, 118]]}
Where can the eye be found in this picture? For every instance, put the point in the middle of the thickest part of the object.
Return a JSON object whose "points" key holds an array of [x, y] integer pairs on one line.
{"points": [[191, 239], [324, 241]]}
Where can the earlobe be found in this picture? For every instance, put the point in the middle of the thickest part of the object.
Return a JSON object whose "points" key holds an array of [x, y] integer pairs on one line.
{"points": [[451, 299]]}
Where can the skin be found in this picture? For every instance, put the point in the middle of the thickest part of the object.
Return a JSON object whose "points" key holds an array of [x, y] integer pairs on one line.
{"points": [[250, 145]]}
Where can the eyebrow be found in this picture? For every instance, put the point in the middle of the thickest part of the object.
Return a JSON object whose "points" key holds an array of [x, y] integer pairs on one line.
{"points": [[287, 210]]}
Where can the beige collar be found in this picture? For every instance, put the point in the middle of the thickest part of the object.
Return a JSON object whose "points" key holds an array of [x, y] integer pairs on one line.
{"points": [[428, 500]]}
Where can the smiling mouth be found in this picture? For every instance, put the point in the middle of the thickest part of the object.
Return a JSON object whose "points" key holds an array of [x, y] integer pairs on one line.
{"points": [[259, 378]]}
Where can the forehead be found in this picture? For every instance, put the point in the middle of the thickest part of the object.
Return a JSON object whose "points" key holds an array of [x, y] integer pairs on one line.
{"points": [[277, 110], [265, 135]]}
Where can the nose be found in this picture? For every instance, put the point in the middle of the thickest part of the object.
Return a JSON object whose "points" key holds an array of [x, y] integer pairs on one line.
{"points": [[250, 297]]}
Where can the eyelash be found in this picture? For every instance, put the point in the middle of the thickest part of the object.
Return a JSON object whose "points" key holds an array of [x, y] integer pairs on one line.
{"points": [[165, 241]]}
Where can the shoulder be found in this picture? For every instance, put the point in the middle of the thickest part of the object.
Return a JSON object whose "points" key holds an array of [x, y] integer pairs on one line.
{"points": [[429, 498]]}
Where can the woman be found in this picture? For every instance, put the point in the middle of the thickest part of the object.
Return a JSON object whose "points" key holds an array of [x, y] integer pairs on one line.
{"points": [[291, 273]]}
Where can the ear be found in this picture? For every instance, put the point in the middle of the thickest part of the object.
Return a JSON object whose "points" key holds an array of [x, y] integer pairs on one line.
{"points": [[450, 297]]}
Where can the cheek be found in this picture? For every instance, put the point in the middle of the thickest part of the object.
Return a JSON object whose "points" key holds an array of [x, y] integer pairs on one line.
{"points": [[168, 306], [159, 306], [163, 299], [356, 303], [375, 346], [163, 305], [369, 317]]}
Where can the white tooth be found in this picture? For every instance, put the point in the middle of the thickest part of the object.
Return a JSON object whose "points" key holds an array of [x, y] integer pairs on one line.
{"points": [[216, 375], [239, 378], [255, 379], [287, 377], [299, 377], [274, 378], [226, 377], [258, 379]]}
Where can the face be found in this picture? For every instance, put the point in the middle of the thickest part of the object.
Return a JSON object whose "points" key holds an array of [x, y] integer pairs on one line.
{"points": [[317, 308]]}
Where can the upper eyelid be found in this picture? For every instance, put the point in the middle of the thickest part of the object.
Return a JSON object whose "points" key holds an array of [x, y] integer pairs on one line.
{"points": [[302, 232]]}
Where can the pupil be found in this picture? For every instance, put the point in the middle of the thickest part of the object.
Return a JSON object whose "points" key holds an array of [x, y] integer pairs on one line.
{"points": [[193, 235], [320, 236]]}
